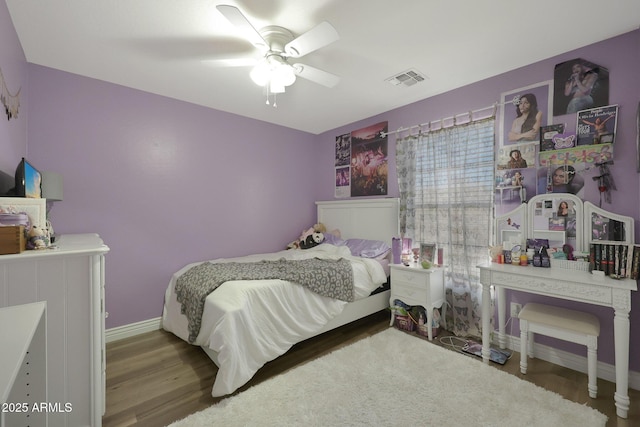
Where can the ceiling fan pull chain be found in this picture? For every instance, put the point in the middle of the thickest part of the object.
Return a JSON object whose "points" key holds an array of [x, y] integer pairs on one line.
{"points": [[267, 93]]}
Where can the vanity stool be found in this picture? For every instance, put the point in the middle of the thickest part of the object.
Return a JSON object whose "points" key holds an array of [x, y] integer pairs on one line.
{"points": [[568, 325]]}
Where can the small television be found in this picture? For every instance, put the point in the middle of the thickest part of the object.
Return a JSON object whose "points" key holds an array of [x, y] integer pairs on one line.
{"points": [[28, 181]]}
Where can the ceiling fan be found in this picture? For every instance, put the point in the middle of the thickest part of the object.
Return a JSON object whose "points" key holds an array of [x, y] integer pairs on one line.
{"points": [[277, 45]]}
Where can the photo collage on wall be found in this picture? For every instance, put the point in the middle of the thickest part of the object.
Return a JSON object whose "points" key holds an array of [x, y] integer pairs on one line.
{"points": [[576, 131], [524, 112], [361, 162]]}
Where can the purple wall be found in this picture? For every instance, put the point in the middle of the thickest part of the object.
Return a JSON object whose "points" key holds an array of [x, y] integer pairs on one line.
{"points": [[621, 55], [164, 182]]}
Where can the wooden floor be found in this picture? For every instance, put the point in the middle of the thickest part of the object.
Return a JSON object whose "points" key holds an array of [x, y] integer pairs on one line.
{"points": [[155, 378]]}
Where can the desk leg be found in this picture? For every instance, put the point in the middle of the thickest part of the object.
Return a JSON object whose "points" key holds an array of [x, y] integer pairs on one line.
{"points": [[393, 312], [486, 323], [502, 318], [621, 335], [429, 322]]}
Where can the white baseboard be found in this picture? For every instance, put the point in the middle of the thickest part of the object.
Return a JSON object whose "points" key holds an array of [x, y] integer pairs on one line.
{"points": [[133, 329], [572, 361]]}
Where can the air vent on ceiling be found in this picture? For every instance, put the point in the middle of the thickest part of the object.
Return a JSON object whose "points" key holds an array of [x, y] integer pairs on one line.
{"points": [[406, 78]]}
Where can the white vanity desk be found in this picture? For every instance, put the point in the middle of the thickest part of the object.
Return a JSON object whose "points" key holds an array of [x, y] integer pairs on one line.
{"points": [[569, 285], [583, 227]]}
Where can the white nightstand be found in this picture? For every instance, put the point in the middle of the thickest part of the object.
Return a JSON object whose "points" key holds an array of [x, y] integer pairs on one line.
{"points": [[414, 285]]}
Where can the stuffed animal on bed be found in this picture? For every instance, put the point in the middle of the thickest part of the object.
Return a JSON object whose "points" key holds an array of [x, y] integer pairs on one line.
{"points": [[313, 239], [317, 228]]}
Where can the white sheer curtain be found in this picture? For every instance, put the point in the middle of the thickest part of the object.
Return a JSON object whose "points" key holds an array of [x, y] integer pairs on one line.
{"points": [[446, 181]]}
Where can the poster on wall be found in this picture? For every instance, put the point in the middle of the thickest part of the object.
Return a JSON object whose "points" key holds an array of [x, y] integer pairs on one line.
{"points": [[562, 171], [514, 186], [343, 160], [369, 161], [524, 111], [597, 125], [515, 176], [579, 85], [517, 157]]}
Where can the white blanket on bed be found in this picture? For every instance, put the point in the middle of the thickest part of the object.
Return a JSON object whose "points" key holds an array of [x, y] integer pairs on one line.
{"points": [[248, 323]]}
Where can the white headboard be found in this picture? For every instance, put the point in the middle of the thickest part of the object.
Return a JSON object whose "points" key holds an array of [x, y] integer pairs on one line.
{"points": [[375, 219]]}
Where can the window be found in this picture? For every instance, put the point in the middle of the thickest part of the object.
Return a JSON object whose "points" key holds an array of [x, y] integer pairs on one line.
{"points": [[446, 180]]}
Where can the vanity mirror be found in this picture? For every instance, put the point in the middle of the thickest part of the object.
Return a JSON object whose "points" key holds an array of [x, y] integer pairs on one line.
{"points": [[558, 218], [563, 219], [511, 228], [605, 227]]}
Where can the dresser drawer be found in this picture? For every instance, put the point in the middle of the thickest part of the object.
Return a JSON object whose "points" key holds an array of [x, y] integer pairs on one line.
{"points": [[409, 278], [409, 294]]}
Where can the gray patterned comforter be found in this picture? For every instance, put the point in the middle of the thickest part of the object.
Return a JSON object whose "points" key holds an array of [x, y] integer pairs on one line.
{"points": [[327, 277]]}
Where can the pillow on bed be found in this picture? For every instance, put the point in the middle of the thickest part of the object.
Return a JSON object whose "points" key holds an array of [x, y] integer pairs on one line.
{"points": [[367, 248], [332, 239]]}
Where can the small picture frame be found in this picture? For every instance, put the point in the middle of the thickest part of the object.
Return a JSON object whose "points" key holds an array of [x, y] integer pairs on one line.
{"points": [[557, 223], [428, 252]]}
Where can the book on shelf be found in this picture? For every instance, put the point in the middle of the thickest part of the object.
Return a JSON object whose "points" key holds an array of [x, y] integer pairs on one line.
{"points": [[634, 261], [615, 260], [597, 257]]}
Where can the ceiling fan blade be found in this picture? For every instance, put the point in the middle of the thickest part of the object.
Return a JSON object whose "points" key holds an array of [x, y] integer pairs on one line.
{"points": [[236, 17], [316, 75], [319, 36]]}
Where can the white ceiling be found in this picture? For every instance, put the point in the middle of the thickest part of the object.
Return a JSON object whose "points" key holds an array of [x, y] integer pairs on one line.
{"points": [[158, 46]]}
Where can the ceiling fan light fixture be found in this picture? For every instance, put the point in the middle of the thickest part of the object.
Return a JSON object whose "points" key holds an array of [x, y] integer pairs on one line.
{"points": [[275, 87], [260, 74], [283, 75], [274, 72]]}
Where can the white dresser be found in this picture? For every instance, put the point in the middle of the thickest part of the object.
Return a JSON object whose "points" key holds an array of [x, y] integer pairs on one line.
{"points": [[71, 280]]}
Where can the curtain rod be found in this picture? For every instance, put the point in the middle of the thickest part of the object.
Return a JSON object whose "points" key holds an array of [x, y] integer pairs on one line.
{"points": [[469, 113]]}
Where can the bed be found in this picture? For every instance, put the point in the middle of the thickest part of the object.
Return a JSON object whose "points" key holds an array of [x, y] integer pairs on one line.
{"points": [[247, 323]]}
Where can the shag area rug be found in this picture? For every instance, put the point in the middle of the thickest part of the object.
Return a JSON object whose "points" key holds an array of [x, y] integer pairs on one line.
{"points": [[393, 379]]}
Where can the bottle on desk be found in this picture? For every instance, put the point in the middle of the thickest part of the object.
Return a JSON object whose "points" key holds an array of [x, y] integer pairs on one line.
{"points": [[523, 259], [541, 258], [546, 262], [537, 259], [515, 258]]}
